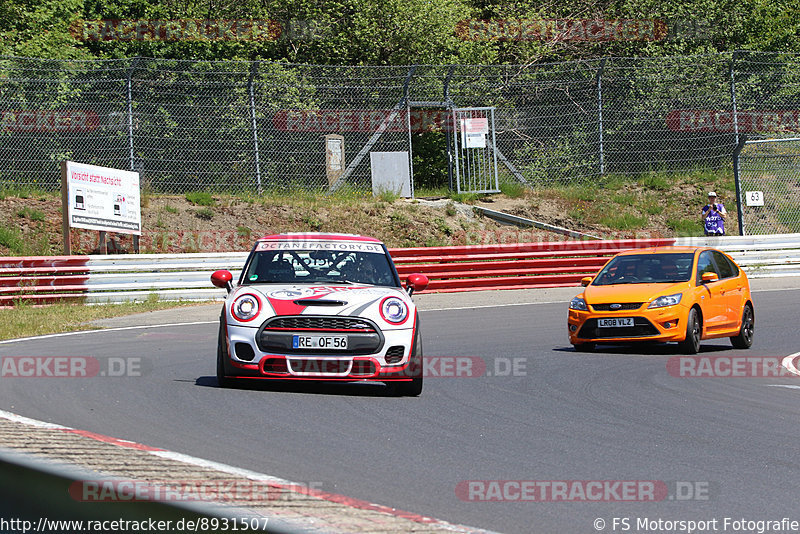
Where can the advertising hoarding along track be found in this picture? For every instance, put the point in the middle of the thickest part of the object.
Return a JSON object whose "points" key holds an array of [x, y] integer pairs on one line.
{"points": [[99, 198]]}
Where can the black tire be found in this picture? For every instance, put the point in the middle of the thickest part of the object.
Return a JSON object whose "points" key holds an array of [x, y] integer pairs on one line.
{"points": [[744, 339], [691, 345], [223, 380], [584, 347], [413, 388]]}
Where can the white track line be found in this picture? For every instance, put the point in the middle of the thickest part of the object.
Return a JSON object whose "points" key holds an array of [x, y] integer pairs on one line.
{"points": [[788, 363], [31, 422], [103, 330]]}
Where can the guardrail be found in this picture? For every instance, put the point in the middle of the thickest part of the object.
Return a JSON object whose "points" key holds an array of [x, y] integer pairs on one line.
{"points": [[119, 278]]}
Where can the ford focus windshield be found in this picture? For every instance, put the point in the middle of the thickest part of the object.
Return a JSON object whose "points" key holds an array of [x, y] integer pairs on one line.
{"points": [[319, 263], [646, 269]]}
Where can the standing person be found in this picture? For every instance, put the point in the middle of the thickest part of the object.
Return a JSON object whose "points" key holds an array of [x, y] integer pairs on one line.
{"points": [[714, 216]]}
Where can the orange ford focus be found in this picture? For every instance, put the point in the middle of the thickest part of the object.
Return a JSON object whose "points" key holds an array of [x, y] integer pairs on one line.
{"points": [[681, 294]]}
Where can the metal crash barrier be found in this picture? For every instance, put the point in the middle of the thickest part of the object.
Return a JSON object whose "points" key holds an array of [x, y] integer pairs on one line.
{"points": [[121, 278]]}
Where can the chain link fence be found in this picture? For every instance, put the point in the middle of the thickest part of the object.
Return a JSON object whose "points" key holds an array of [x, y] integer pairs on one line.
{"points": [[769, 177], [261, 126]]}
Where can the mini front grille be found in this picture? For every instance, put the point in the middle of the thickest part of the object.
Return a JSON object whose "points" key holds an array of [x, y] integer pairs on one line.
{"points": [[395, 354], [301, 322], [617, 307], [318, 366]]}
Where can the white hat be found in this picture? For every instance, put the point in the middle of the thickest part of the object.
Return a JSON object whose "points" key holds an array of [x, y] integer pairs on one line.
{"points": [[712, 193]]}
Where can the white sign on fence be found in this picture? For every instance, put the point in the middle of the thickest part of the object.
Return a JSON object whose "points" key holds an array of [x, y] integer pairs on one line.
{"points": [[473, 132], [754, 198], [101, 198]]}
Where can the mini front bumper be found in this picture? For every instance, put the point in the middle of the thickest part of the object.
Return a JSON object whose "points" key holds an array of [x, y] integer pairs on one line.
{"points": [[246, 360]]}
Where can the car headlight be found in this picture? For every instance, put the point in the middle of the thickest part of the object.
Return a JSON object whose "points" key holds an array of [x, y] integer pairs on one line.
{"points": [[246, 307], [394, 310], [578, 304], [666, 300]]}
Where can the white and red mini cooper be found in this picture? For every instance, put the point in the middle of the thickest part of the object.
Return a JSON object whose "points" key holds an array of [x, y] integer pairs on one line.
{"points": [[320, 307]]}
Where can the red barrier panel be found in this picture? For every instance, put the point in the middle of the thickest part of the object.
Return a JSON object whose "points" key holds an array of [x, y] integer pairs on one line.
{"points": [[512, 265], [547, 246], [42, 279]]}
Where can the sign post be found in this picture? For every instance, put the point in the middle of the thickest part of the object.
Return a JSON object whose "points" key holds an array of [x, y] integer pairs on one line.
{"points": [[99, 198]]}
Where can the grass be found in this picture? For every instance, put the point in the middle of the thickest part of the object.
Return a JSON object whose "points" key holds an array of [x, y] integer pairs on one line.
{"points": [[512, 189], [19, 191], [205, 213], [25, 320], [388, 196], [312, 222], [30, 213], [624, 221], [200, 198], [657, 182], [171, 209], [575, 193], [442, 226], [12, 239], [624, 199], [685, 227]]}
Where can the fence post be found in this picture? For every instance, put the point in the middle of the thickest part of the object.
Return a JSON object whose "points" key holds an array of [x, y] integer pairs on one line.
{"points": [[253, 70], [130, 145], [736, 178], [600, 113], [450, 105], [129, 102], [733, 97]]}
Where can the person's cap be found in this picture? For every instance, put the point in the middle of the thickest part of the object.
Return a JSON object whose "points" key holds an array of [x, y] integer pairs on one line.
{"points": [[712, 194]]}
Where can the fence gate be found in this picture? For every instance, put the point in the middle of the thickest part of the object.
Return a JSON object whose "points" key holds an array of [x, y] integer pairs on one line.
{"points": [[474, 155]]}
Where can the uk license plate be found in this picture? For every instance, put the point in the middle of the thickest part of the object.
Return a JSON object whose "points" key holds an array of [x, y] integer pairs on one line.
{"points": [[615, 322], [319, 342]]}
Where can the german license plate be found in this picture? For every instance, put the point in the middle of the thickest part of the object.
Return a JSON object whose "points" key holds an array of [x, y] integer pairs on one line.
{"points": [[319, 342], [612, 322]]}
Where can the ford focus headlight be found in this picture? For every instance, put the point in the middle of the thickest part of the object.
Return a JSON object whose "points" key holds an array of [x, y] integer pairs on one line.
{"points": [[394, 310], [666, 300], [246, 307], [578, 304]]}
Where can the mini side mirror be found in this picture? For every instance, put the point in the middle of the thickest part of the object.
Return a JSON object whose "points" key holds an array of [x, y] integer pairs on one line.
{"points": [[586, 280], [416, 282], [222, 279]]}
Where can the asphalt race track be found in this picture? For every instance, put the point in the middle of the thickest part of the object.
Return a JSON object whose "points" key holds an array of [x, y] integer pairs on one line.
{"points": [[712, 447]]}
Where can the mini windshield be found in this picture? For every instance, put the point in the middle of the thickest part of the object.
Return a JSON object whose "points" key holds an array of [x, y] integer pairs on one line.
{"points": [[646, 269], [319, 263]]}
